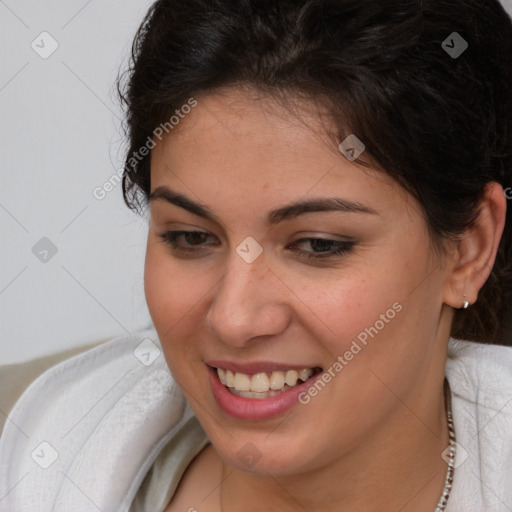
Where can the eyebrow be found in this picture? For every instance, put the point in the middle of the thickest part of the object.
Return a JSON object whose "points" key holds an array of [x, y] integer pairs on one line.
{"points": [[317, 205], [180, 200], [287, 212]]}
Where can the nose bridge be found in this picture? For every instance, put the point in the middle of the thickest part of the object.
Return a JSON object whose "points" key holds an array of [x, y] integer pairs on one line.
{"points": [[246, 303]]}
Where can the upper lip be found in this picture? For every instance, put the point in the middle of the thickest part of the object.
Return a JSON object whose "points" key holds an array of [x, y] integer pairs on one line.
{"points": [[257, 366]]}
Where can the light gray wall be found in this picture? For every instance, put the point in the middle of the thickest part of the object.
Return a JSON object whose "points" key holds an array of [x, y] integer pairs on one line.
{"points": [[60, 140]]}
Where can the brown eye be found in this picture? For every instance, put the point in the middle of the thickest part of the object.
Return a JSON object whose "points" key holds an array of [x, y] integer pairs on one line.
{"points": [[188, 240], [318, 248], [195, 237]]}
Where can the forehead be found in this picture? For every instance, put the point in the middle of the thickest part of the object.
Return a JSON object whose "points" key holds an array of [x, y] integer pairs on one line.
{"points": [[237, 144]]}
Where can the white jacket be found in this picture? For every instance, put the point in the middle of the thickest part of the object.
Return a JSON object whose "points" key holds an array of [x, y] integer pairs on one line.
{"points": [[85, 433]]}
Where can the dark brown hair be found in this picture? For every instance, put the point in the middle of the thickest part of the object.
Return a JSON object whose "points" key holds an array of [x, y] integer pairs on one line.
{"points": [[439, 123]]}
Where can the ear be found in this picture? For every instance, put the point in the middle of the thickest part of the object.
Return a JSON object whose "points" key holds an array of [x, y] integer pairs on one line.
{"points": [[474, 254]]}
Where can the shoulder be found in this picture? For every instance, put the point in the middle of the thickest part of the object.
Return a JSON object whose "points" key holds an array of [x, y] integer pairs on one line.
{"points": [[166, 475], [480, 378], [480, 373], [103, 412]]}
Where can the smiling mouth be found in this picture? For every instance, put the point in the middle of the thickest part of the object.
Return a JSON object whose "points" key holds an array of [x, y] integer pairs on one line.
{"points": [[265, 384]]}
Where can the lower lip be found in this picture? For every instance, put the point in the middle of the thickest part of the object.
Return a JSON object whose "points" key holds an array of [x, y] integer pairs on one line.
{"points": [[256, 408]]}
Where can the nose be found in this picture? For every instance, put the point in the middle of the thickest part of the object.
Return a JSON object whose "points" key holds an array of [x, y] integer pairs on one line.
{"points": [[248, 305]]}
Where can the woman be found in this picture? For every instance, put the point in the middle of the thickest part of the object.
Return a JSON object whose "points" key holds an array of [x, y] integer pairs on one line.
{"points": [[327, 271]]}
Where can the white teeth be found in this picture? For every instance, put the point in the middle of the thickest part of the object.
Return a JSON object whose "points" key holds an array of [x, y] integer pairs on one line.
{"points": [[261, 382], [242, 382], [254, 394], [277, 380], [291, 377], [230, 378], [305, 374]]}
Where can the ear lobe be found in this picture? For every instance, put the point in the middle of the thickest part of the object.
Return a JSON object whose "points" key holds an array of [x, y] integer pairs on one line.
{"points": [[475, 253]]}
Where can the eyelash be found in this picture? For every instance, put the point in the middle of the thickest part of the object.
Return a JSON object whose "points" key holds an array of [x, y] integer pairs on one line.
{"points": [[343, 247]]}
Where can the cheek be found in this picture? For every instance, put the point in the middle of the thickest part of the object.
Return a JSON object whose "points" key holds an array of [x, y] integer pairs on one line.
{"points": [[172, 298], [158, 288], [339, 306], [177, 296], [368, 316], [170, 291]]}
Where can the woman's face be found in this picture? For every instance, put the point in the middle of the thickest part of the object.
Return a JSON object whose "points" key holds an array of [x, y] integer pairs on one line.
{"points": [[298, 259]]}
